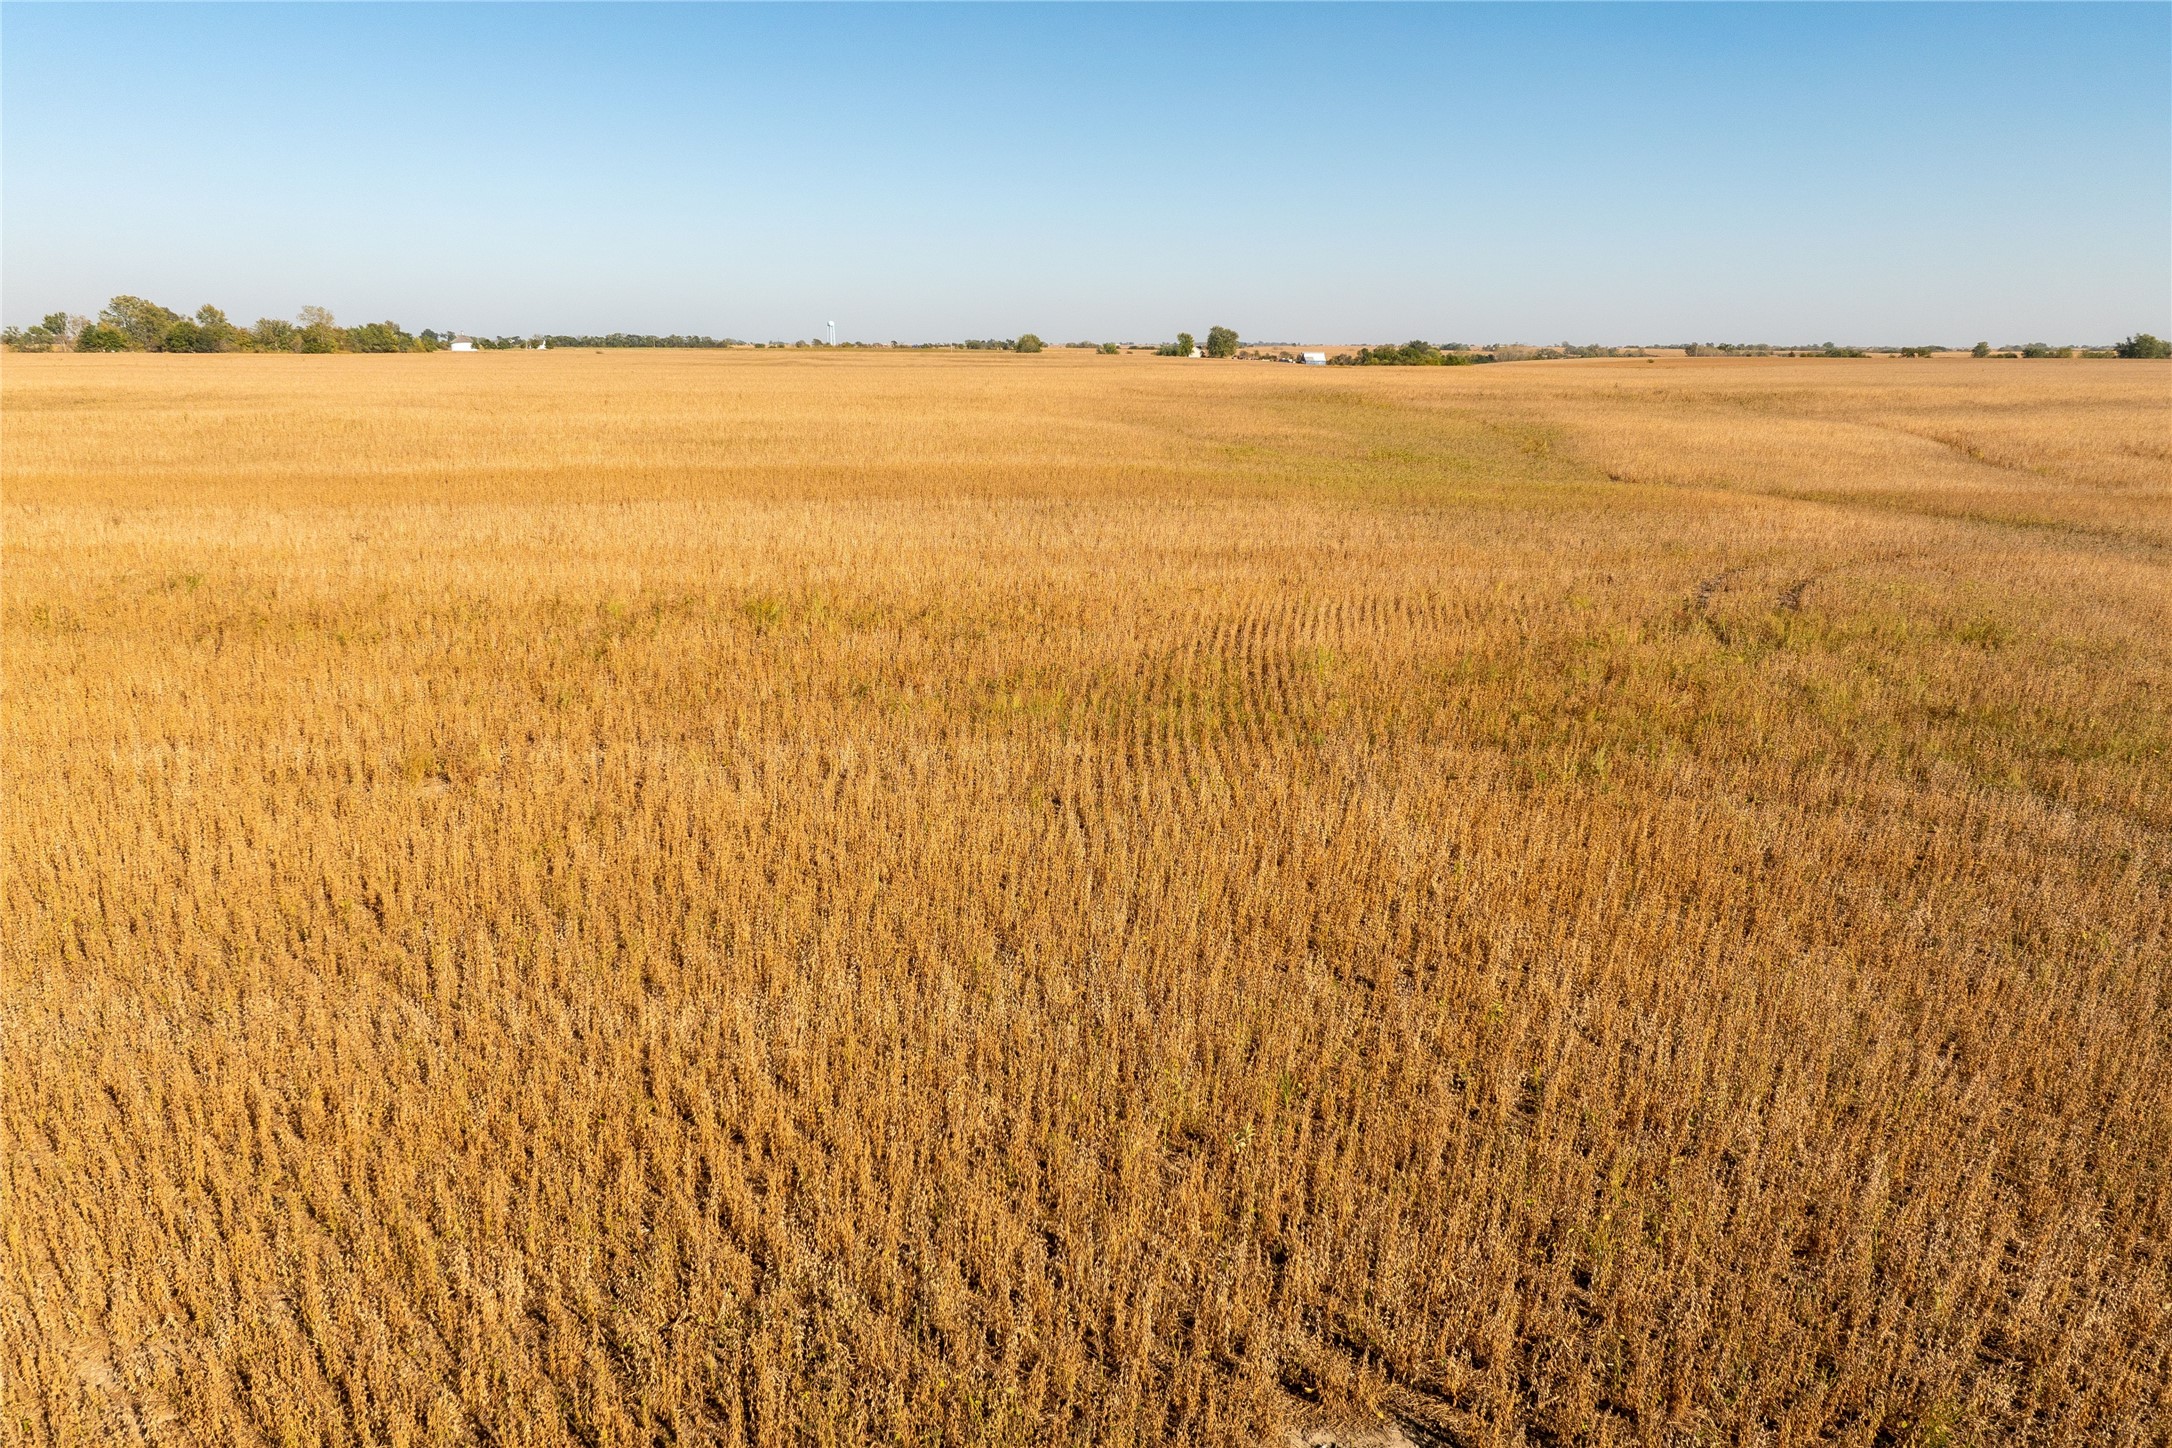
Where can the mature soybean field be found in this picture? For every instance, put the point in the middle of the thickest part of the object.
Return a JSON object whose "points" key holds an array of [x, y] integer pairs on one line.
{"points": [[864, 897]]}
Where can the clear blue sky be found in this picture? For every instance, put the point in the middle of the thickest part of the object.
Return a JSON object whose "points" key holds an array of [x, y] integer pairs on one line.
{"points": [[1864, 173]]}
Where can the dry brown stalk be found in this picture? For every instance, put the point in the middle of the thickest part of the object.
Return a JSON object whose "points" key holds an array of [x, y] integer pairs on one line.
{"points": [[830, 899]]}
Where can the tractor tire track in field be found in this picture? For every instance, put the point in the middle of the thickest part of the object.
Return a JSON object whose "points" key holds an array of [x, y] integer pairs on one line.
{"points": [[1708, 588], [1701, 604]]}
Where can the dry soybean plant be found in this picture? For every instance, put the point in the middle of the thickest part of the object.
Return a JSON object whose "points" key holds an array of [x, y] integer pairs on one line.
{"points": [[734, 898]]}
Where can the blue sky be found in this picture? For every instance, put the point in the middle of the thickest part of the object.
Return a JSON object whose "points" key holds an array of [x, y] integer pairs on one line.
{"points": [[1874, 174]]}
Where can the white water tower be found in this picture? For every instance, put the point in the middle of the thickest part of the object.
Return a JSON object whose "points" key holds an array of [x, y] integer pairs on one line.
{"points": [[833, 334]]}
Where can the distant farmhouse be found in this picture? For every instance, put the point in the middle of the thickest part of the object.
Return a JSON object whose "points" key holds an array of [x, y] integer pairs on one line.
{"points": [[462, 342]]}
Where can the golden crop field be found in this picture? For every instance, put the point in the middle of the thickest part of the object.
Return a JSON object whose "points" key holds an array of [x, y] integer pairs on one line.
{"points": [[802, 898]]}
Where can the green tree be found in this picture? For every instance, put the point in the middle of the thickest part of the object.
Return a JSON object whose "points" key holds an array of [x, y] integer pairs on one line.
{"points": [[98, 337], [2142, 344], [1027, 342], [1181, 347], [186, 336], [55, 329], [143, 323], [1981, 349], [209, 332], [318, 331], [379, 337], [225, 336], [1110, 349], [272, 334], [1414, 353], [1221, 342]]}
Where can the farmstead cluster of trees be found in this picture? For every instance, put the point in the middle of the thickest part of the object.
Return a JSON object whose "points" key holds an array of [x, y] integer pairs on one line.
{"points": [[132, 324], [1221, 342], [613, 339], [1410, 354]]}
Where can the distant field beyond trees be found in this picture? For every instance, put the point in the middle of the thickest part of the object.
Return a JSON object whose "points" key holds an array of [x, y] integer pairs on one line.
{"points": [[684, 898]]}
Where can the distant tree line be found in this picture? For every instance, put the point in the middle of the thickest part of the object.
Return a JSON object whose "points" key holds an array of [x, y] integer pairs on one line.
{"points": [[1023, 342], [619, 339], [2141, 344], [1410, 354], [1767, 349], [132, 324]]}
